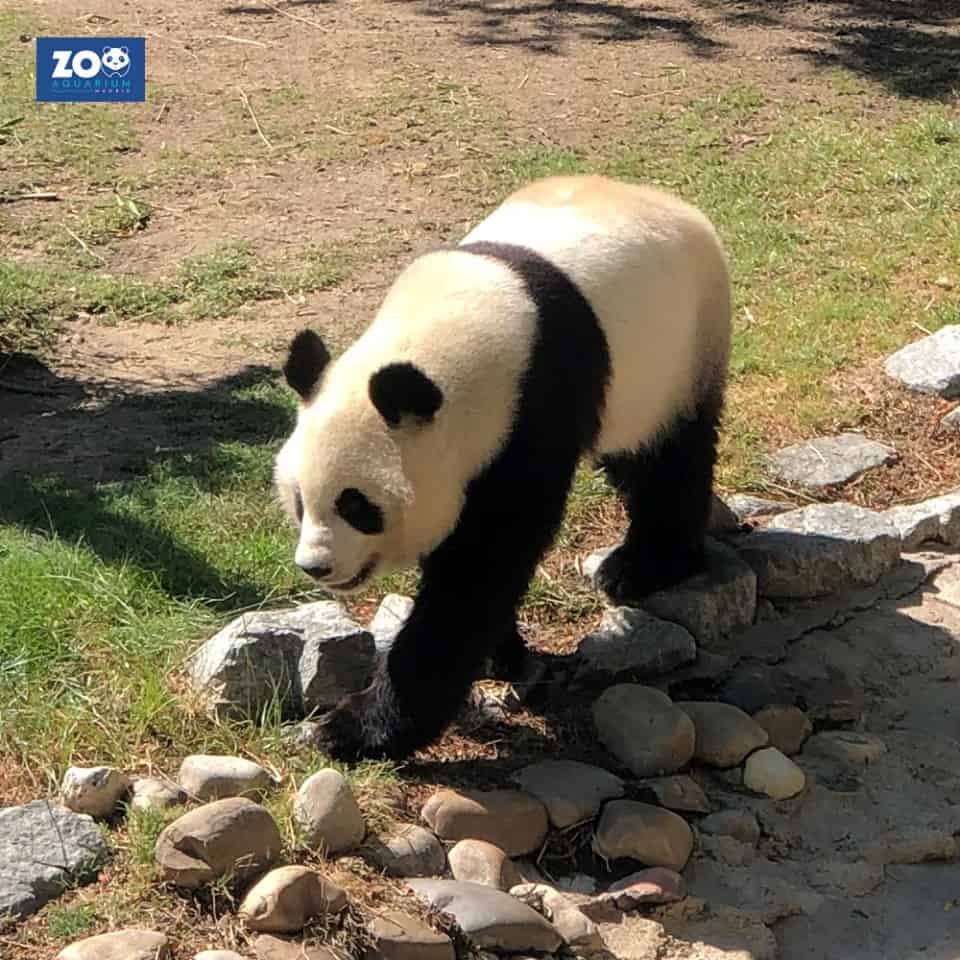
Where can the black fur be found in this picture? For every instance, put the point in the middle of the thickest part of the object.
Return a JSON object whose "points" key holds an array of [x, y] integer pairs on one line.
{"points": [[306, 361], [667, 489], [474, 581], [401, 389]]}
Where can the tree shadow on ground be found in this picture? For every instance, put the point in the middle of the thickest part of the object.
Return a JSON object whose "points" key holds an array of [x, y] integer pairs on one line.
{"points": [[69, 450]]}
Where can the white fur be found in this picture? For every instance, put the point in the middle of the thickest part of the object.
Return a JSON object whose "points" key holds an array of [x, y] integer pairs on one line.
{"points": [[654, 272]]}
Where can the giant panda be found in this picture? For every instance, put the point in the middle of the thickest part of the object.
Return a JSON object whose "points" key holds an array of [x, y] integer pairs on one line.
{"points": [[583, 317]]}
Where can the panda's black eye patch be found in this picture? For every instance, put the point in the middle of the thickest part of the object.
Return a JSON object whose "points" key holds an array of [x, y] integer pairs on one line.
{"points": [[359, 512]]}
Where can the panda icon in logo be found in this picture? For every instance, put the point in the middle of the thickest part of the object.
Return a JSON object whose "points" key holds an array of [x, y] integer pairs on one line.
{"points": [[115, 61]]}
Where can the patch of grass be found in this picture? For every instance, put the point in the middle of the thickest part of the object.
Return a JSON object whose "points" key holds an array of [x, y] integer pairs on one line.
{"points": [[68, 923]]}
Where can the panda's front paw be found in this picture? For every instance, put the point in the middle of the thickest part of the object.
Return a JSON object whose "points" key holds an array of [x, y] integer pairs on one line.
{"points": [[627, 576], [340, 734]]}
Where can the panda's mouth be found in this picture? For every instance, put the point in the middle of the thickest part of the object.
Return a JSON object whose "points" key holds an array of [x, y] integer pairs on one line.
{"points": [[357, 579]]}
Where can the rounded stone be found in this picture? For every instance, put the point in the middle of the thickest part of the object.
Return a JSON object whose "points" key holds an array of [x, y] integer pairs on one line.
{"points": [[678, 792], [643, 729], [151, 793], [235, 836], [769, 771], [327, 812], [649, 834], [512, 820], [787, 727], [477, 861], [120, 945], [217, 955], [95, 791], [286, 899], [741, 825], [413, 851], [572, 792], [652, 886], [847, 746], [216, 777], [724, 733], [398, 936]]}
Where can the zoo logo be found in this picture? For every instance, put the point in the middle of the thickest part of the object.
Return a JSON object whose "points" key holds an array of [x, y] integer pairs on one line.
{"points": [[91, 69]]}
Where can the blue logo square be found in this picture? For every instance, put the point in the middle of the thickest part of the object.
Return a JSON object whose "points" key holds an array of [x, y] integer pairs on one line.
{"points": [[91, 69]]}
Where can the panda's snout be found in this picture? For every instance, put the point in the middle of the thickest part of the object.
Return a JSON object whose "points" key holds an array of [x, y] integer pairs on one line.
{"points": [[318, 572]]}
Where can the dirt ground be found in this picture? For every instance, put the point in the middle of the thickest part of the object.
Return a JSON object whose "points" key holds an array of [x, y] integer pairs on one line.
{"points": [[536, 72]]}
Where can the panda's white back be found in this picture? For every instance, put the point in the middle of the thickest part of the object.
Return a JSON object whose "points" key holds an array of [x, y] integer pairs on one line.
{"points": [[654, 273]]}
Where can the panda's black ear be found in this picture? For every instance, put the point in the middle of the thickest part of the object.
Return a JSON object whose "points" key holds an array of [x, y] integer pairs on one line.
{"points": [[306, 361], [401, 389]]}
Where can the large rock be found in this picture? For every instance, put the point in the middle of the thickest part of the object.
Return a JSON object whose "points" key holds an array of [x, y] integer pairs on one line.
{"points": [[930, 365], [44, 848], [308, 657], [713, 604], [653, 836], [490, 918], [643, 729], [235, 836], [572, 792], [130, 944], [513, 820], [96, 791], [820, 549], [398, 936], [934, 519], [214, 777], [412, 851], [724, 733], [632, 641], [286, 899], [477, 861], [829, 460], [326, 811], [389, 619]]}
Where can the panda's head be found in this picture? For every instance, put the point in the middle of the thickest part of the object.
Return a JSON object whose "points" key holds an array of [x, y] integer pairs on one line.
{"points": [[115, 58], [344, 476]]}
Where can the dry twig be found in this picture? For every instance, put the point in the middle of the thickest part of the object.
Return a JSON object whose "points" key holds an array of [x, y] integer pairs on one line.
{"points": [[253, 117]]}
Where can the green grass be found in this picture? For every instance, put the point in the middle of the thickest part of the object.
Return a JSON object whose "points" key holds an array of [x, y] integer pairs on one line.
{"points": [[70, 923]]}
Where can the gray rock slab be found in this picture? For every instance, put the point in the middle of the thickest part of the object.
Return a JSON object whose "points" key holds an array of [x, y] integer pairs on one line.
{"points": [[490, 918], [571, 791], [44, 849], [746, 507], [826, 461], [935, 519], [713, 604], [308, 657], [930, 365], [632, 641], [819, 549], [389, 619]]}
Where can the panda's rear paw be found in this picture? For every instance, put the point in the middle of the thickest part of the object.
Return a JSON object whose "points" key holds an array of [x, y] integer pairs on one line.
{"points": [[626, 576]]}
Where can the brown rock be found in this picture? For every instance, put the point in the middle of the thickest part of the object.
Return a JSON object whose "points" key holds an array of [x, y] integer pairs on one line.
{"points": [[227, 836], [412, 851], [677, 793], [119, 945], [477, 861], [269, 947], [288, 898], [400, 937], [510, 819], [652, 835], [327, 812], [724, 733], [786, 726], [656, 885]]}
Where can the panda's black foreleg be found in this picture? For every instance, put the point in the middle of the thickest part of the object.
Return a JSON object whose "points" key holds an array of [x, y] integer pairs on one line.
{"points": [[667, 490], [509, 656]]}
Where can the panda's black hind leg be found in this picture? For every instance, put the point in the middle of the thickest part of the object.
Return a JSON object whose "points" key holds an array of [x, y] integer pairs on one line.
{"points": [[510, 656], [667, 491]]}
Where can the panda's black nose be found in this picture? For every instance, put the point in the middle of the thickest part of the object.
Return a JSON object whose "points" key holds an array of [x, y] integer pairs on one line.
{"points": [[318, 573]]}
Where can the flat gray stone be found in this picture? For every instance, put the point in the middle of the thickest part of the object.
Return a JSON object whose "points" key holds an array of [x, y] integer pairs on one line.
{"points": [[746, 507], [309, 657], [643, 729], [935, 519], [44, 849], [572, 792], [490, 918], [389, 619], [930, 365], [820, 549], [401, 937], [713, 604], [951, 421], [826, 461], [632, 641]]}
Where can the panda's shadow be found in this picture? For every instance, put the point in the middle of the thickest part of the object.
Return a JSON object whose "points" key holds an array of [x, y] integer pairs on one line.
{"points": [[84, 462]]}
